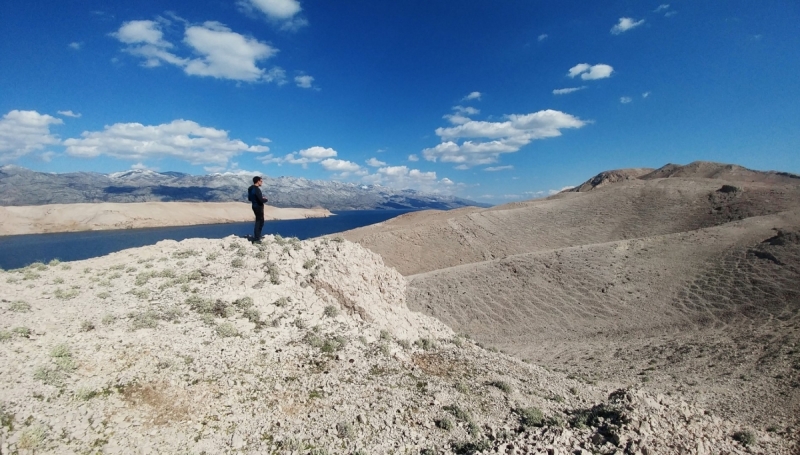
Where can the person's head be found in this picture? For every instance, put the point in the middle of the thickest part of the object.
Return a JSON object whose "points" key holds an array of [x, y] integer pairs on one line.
{"points": [[257, 180]]}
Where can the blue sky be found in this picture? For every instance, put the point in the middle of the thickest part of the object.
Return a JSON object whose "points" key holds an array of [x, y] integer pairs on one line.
{"points": [[491, 100]]}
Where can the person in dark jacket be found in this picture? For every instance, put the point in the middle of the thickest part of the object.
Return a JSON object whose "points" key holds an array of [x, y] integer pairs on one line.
{"points": [[257, 199]]}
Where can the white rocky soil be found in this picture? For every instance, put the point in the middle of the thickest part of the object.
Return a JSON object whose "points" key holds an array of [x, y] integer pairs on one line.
{"points": [[221, 346]]}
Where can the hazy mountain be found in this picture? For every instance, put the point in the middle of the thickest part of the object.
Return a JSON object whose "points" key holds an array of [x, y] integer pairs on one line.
{"points": [[20, 186]]}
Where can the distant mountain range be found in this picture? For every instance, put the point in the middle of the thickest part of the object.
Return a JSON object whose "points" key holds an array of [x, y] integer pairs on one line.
{"points": [[20, 186]]}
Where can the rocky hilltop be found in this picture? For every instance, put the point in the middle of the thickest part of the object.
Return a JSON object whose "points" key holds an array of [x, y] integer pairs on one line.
{"points": [[19, 186], [222, 346]]}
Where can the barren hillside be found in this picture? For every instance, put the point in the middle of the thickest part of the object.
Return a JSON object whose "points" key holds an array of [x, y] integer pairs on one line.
{"points": [[221, 346], [687, 284]]}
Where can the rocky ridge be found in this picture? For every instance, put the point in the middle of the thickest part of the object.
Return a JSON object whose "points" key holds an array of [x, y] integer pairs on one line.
{"points": [[221, 346]]}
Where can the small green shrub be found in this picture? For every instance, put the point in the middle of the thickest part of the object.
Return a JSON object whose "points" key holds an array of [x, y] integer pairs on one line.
{"points": [[5, 335], [309, 264], [252, 315], [50, 376], [531, 417], [66, 295], [54, 262], [20, 306], [385, 335], [227, 330], [183, 254], [32, 438], [21, 331], [281, 302], [237, 263], [212, 256], [458, 413], [108, 319], [462, 387], [330, 311], [502, 385], [58, 280], [87, 326], [144, 320], [425, 344], [103, 295], [142, 294], [243, 303]]}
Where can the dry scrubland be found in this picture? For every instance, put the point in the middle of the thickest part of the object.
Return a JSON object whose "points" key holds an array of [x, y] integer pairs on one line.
{"points": [[683, 281], [37, 219], [221, 346]]}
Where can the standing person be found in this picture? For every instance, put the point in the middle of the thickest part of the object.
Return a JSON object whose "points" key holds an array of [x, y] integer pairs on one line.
{"points": [[257, 199]]}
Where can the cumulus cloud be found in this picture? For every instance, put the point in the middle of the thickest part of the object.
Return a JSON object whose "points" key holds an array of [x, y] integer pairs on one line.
{"points": [[276, 9], [181, 139], [480, 142], [374, 162], [472, 96], [625, 24], [69, 114], [591, 72], [403, 177], [564, 91], [625, 99], [335, 165], [217, 51], [22, 132], [75, 45], [304, 81], [662, 7], [413, 157], [304, 157], [461, 114], [542, 37], [498, 168]]}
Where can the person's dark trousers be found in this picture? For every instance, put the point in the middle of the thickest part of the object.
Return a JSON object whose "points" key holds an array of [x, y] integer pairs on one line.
{"points": [[259, 211]]}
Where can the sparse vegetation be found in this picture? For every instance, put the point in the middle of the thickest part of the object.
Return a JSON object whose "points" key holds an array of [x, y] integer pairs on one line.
{"points": [[66, 294], [444, 423], [426, 344], [345, 430], [226, 330], [330, 311], [309, 264], [237, 263], [531, 417], [502, 385], [144, 320], [87, 326], [32, 438], [20, 306]]}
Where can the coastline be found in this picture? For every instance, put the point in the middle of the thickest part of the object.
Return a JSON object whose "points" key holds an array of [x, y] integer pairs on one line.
{"points": [[42, 219]]}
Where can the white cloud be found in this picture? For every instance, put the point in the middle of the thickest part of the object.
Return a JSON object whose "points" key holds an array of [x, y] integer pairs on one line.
{"points": [[564, 91], [182, 139], [447, 181], [625, 99], [498, 168], [225, 54], [472, 96], [303, 157], [461, 115], [220, 52], [75, 45], [645, 94], [141, 167], [277, 9], [22, 132], [264, 140], [47, 156], [670, 13], [495, 138], [69, 114], [591, 72], [141, 32], [331, 164], [402, 177], [304, 81], [625, 24], [542, 37], [413, 157], [374, 162], [662, 7]]}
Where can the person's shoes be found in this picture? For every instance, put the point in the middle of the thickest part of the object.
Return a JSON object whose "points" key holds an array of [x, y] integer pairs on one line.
{"points": [[256, 240]]}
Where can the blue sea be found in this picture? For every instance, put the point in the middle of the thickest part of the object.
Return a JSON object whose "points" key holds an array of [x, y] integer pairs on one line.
{"points": [[20, 250]]}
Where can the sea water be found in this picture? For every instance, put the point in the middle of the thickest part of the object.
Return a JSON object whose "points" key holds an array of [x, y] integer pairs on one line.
{"points": [[21, 250]]}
